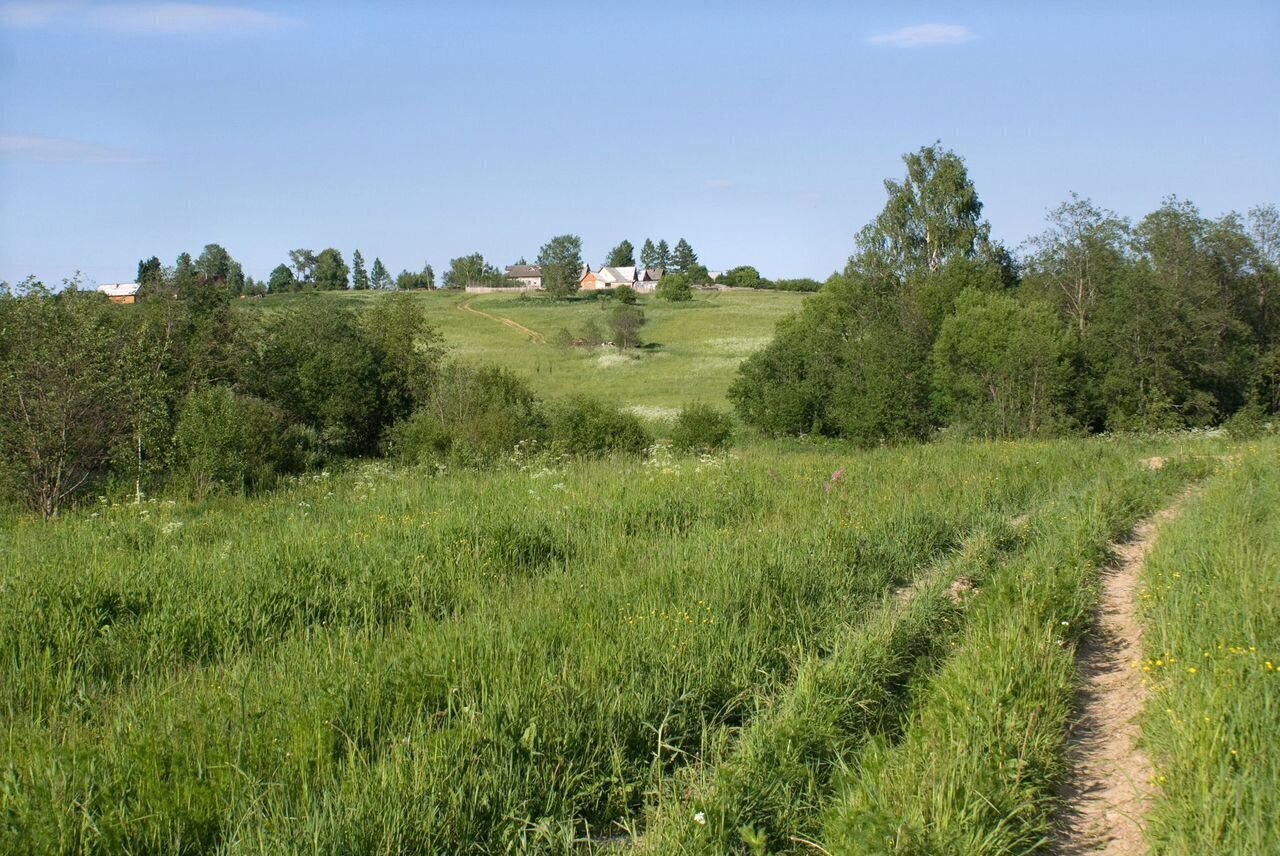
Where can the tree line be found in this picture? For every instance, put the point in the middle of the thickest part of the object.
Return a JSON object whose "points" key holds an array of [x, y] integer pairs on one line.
{"points": [[1097, 324], [179, 392]]}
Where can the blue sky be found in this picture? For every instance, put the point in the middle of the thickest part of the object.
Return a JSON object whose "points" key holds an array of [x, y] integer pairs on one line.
{"points": [[761, 132]]}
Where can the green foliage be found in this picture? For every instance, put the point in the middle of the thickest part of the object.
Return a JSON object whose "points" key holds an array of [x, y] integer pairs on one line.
{"points": [[473, 416], [623, 255], [1159, 326], [1078, 258], [998, 367], [649, 255], [409, 349], [304, 264], [61, 395], [674, 287], [683, 258], [325, 372], [625, 294], [802, 284], [470, 270], [150, 274], [379, 276], [331, 273], [282, 280], [852, 363], [212, 440], [562, 340], [932, 215], [359, 277], [625, 322], [583, 426], [701, 428], [592, 334], [663, 255], [561, 262], [744, 276]]}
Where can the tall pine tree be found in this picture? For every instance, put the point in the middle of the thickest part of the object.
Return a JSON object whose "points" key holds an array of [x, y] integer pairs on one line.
{"points": [[359, 278], [623, 255], [664, 254], [684, 259], [648, 255], [379, 276]]}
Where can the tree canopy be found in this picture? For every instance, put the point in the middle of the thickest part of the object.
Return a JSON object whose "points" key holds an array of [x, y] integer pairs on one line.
{"points": [[623, 255], [561, 262]]}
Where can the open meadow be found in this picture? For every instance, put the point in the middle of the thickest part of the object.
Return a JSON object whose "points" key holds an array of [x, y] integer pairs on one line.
{"points": [[785, 647], [691, 350]]}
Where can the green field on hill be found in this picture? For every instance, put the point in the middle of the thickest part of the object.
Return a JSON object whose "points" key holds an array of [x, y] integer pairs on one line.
{"points": [[691, 350]]}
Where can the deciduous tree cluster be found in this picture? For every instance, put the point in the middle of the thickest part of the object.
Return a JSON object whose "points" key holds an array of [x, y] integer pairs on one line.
{"points": [[1099, 325]]}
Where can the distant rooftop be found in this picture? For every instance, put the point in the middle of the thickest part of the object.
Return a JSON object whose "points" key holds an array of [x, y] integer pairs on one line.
{"points": [[119, 289]]}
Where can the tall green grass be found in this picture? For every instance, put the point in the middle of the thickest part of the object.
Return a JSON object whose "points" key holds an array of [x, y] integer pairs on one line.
{"points": [[1212, 632], [385, 661], [982, 756]]}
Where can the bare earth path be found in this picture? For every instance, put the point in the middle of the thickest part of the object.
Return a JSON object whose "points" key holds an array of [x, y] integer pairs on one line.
{"points": [[537, 337], [1109, 789]]}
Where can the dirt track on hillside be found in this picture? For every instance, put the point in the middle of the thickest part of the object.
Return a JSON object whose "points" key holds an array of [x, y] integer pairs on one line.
{"points": [[534, 335]]}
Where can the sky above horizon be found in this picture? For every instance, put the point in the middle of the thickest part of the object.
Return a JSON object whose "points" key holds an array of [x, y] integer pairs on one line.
{"points": [[760, 132]]}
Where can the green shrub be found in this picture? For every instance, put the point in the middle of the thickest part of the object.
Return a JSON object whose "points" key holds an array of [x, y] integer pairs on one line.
{"points": [[581, 425], [592, 335], [213, 440], [625, 323], [702, 428], [1251, 422], [674, 287], [625, 294], [473, 417], [562, 339]]}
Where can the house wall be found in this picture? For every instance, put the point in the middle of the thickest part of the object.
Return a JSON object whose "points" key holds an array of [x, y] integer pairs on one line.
{"points": [[494, 289]]}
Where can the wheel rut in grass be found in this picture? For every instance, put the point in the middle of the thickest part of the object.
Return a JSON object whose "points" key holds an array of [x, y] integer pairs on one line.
{"points": [[1109, 787], [534, 335]]}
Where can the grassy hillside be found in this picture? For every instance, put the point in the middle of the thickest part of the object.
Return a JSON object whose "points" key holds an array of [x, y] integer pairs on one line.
{"points": [[691, 353], [539, 658]]}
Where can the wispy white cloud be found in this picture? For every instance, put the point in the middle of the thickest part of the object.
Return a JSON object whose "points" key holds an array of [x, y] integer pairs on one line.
{"points": [[57, 150], [141, 18], [23, 15], [925, 36]]}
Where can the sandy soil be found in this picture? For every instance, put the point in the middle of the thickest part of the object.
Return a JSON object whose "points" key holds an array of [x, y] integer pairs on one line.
{"points": [[1109, 790]]}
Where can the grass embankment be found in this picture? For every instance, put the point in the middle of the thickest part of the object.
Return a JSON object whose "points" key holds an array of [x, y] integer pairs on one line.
{"points": [[388, 662], [1212, 617], [692, 353]]}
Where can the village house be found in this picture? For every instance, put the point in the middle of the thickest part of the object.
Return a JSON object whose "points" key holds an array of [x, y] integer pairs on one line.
{"points": [[612, 277], [648, 279], [529, 276], [120, 292]]}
